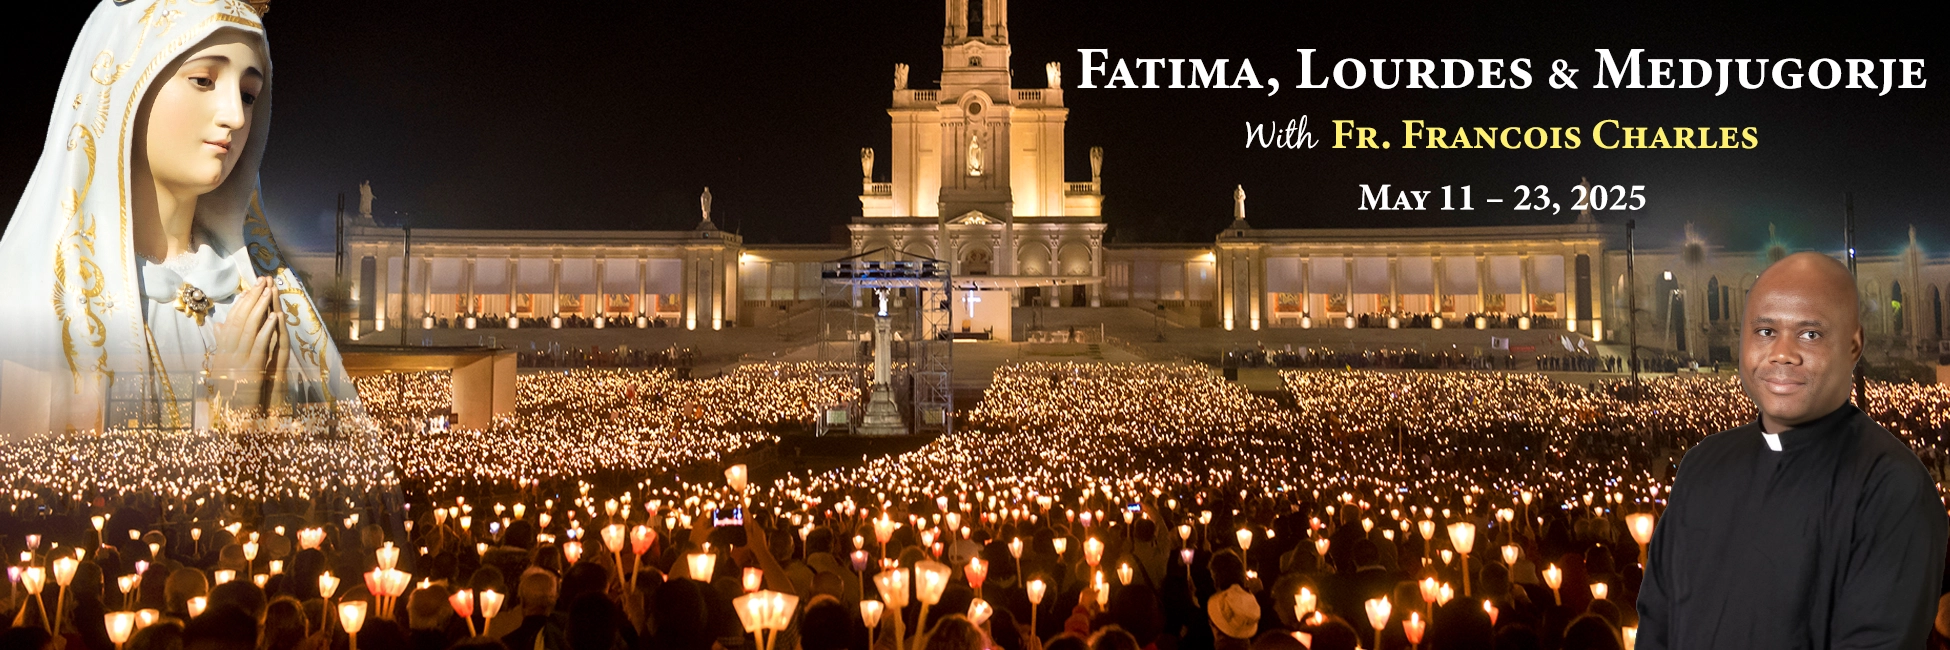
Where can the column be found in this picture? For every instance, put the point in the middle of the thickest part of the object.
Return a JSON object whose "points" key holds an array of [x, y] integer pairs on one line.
{"points": [[426, 292], [380, 296], [602, 301], [1055, 269], [357, 298], [1568, 301], [719, 279], [769, 290], [1523, 281], [1185, 271], [555, 286], [642, 284], [1306, 285], [1394, 282], [514, 277], [690, 289], [1005, 259], [1255, 284], [1482, 284], [1097, 271], [1347, 290], [1597, 287], [728, 282], [468, 272], [1436, 275], [1222, 278]]}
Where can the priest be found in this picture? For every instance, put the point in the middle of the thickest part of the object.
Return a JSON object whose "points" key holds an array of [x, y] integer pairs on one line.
{"points": [[1811, 526]]}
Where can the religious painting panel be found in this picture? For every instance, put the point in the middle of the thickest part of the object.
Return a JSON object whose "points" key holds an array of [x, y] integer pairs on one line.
{"points": [[1286, 302]]}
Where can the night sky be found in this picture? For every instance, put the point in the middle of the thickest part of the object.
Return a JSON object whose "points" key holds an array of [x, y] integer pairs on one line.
{"points": [[615, 115]]}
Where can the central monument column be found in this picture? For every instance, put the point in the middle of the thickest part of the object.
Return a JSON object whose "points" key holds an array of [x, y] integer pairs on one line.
{"points": [[883, 417]]}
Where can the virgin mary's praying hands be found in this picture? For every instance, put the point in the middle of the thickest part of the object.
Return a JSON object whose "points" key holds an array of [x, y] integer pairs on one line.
{"points": [[250, 346]]}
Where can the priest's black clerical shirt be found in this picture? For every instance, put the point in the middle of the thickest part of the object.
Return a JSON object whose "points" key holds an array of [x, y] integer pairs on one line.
{"points": [[1835, 540]]}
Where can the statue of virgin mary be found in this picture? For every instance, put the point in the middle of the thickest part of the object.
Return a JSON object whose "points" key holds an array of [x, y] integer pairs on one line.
{"points": [[143, 287]]}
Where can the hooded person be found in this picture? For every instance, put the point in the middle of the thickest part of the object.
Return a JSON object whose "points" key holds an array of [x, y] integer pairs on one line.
{"points": [[144, 287]]}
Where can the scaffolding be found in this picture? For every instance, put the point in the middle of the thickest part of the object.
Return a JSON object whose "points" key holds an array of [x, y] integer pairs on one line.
{"points": [[918, 292]]}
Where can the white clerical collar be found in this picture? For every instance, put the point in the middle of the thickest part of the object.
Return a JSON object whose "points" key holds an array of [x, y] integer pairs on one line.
{"points": [[1773, 440]]}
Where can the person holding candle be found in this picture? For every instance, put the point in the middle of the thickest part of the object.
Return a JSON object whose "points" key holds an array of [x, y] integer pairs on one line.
{"points": [[1811, 526]]}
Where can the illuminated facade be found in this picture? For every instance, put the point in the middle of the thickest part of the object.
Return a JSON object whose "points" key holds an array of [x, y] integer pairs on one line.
{"points": [[974, 175], [669, 278]]}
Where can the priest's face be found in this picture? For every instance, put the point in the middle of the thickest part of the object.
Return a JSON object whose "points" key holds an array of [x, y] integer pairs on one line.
{"points": [[1800, 340]]}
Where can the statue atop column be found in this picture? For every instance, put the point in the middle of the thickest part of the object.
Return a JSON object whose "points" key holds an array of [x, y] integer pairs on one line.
{"points": [[883, 416], [1097, 166], [866, 164], [1239, 209], [1054, 71], [900, 76], [704, 205], [365, 200], [1584, 216]]}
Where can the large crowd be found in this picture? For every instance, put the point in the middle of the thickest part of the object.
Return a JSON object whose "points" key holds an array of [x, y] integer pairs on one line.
{"points": [[554, 355], [1428, 320], [571, 321], [1078, 506], [1403, 358]]}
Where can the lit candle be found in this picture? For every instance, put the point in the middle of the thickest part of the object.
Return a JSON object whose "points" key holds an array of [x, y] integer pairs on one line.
{"points": [[701, 565], [979, 611], [1642, 525], [489, 602], [1378, 610], [1463, 535], [1412, 628], [753, 579], [120, 624], [976, 572], [352, 615]]}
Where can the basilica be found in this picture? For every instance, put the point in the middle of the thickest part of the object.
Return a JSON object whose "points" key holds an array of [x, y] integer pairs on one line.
{"points": [[977, 184]]}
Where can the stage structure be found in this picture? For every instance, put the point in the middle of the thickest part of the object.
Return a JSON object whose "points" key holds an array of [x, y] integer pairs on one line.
{"points": [[893, 315]]}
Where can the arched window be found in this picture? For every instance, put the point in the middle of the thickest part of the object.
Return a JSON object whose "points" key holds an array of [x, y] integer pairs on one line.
{"points": [[1713, 299]]}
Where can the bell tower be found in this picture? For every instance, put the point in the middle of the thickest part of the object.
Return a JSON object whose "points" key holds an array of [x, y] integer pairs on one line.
{"points": [[974, 157], [975, 111]]}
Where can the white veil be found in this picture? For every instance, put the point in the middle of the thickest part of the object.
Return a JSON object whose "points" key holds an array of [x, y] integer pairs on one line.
{"points": [[72, 330]]}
